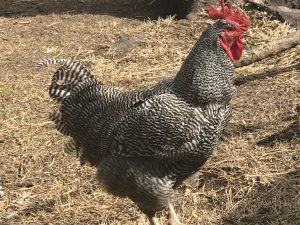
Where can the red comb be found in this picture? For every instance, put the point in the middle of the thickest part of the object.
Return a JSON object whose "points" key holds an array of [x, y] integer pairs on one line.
{"points": [[239, 19]]}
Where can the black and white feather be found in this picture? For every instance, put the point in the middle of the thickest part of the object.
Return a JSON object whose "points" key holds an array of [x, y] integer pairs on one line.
{"points": [[147, 142]]}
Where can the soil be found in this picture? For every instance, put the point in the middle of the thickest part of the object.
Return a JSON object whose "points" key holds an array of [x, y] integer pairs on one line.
{"points": [[253, 177], [141, 9]]}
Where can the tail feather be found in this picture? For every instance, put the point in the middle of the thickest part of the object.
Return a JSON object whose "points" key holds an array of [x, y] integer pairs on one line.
{"points": [[71, 147], [48, 61], [56, 116], [60, 124], [66, 77], [78, 93]]}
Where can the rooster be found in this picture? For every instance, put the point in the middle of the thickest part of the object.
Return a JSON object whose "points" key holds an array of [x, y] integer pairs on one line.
{"points": [[145, 143]]}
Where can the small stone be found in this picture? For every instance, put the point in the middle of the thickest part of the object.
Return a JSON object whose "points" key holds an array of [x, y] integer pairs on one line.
{"points": [[205, 200], [12, 215], [26, 183], [1, 194], [126, 42], [192, 16], [187, 192]]}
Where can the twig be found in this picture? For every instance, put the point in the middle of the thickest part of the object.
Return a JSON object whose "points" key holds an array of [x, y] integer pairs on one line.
{"points": [[282, 13], [286, 172], [269, 49], [150, 3], [276, 70]]}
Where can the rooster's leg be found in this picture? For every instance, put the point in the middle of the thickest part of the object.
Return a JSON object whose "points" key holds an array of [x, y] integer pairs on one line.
{"points": [[172, 216], [153, 220]]}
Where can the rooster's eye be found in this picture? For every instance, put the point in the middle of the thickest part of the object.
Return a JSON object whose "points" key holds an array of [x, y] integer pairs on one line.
{"points": [[230, 28]]}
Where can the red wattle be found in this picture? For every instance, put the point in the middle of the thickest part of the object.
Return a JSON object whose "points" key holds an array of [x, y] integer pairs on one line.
{"points": [[234, 50]]}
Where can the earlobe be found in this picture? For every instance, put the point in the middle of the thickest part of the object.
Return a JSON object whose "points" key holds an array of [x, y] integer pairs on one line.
{"points": [[221, 34]]}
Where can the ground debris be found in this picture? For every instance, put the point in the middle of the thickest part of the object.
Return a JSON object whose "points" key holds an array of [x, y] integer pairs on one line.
{"points": [[284, 10], [222, 193], [271, 48], [26, 184], [125, 43]]}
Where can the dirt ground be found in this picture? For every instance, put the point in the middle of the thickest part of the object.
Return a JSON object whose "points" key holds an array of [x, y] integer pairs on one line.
{"points": [[253, 176], [139, 9]]}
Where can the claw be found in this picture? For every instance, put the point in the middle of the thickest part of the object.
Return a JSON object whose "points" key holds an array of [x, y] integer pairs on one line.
{"points": [[153, 221], [172, 216]]}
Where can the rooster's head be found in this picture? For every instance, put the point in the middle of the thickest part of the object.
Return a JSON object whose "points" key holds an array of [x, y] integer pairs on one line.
{"points": [[231, 37]]}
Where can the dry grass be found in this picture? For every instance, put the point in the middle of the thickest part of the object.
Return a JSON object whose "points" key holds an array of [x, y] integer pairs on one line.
{"points": [[253, 177]]}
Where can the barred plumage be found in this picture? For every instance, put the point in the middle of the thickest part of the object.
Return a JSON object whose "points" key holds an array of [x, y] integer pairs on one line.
{"points": [[48, 61], [147, 142]]}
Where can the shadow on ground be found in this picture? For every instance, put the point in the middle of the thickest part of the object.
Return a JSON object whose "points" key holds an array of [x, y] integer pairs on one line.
{"points": [[138, 9], [263, 75], [274, 203], [289, 134], [253, 200]]}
